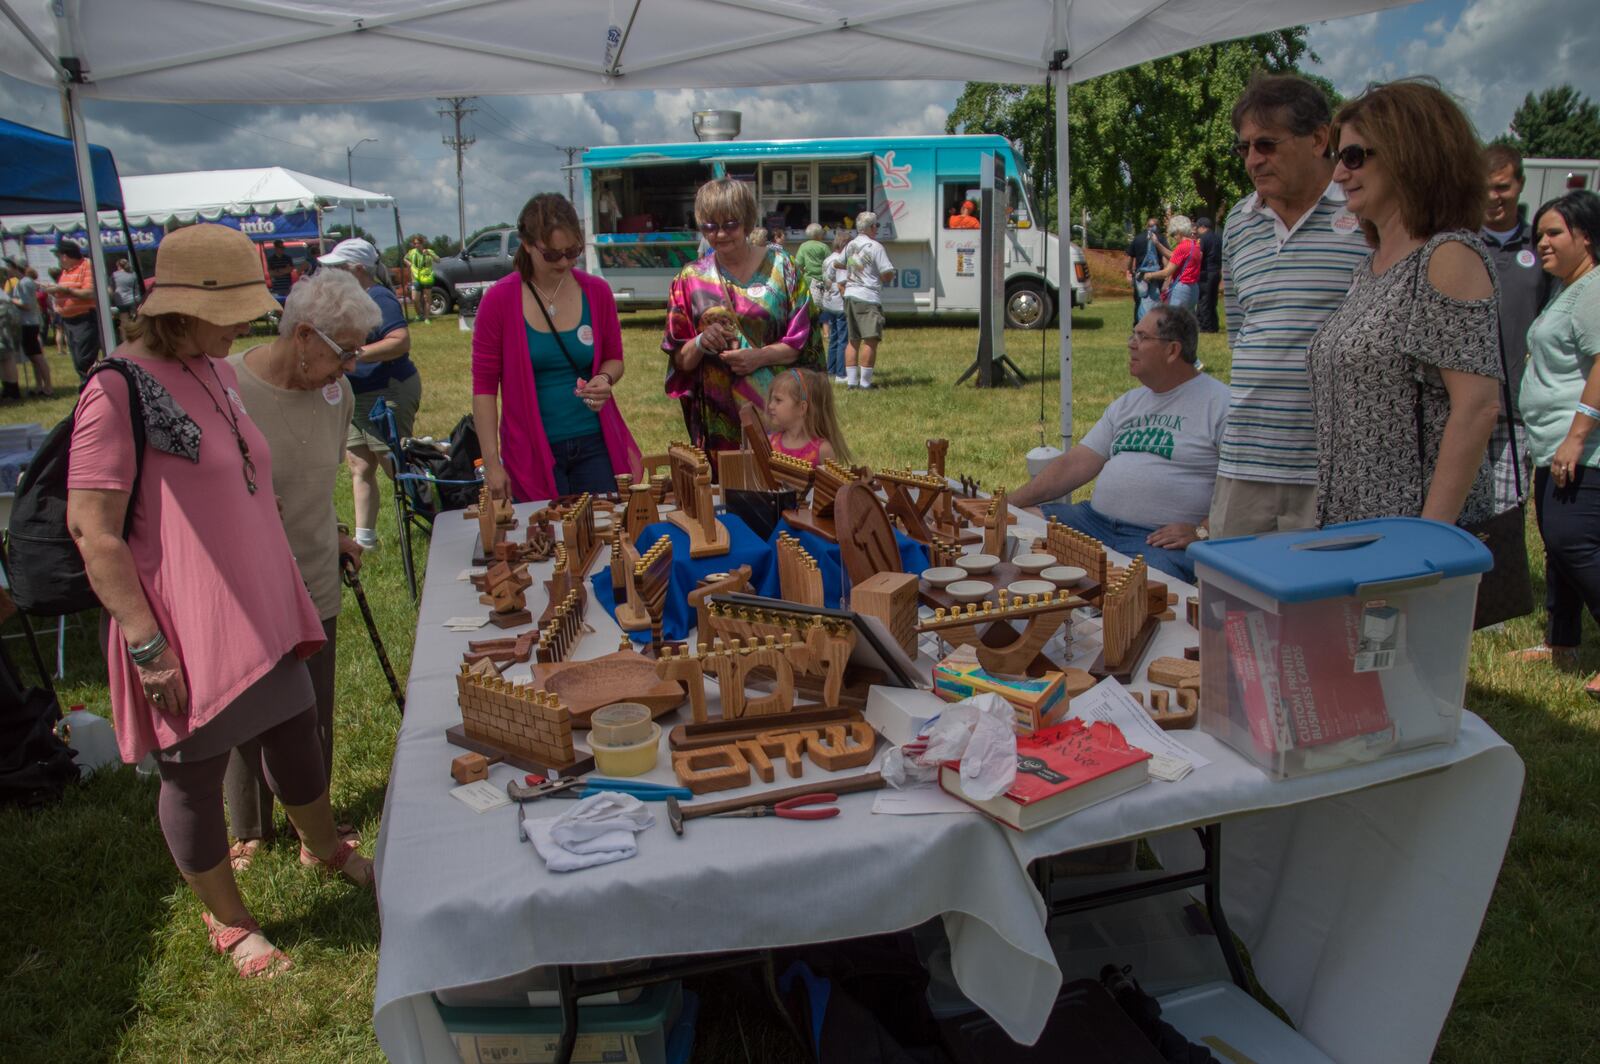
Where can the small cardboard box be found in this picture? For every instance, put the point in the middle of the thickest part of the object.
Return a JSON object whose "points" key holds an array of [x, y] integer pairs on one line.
{"points": [[1039, 701]]}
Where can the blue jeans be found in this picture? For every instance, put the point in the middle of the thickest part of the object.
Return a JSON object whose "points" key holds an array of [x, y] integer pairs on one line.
{"points": [[582, 464], [1122, 537], [1183, 295], [834, 320]]}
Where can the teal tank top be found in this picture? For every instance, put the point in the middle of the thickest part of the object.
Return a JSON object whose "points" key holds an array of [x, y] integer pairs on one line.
{"points": [[565, 416]]}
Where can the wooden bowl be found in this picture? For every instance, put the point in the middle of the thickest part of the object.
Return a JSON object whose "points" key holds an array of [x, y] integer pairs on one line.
{"points": [[943, 575], [970, 590], [977, 563], [1034, 563]]}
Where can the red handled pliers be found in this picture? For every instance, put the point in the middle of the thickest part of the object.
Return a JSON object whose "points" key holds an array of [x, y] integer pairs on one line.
{"points": [[792, 808]]}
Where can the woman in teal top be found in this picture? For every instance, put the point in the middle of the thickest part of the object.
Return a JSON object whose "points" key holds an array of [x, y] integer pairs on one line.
{"points": [[1560, 403]]}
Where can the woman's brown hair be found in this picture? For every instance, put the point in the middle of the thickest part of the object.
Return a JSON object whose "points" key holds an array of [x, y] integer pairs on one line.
{"points": [[541, 216], [163, 334], [1429, 150]]}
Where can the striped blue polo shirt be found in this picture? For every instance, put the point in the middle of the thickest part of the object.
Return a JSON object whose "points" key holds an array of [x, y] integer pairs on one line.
{"points": [[1281, 284]]}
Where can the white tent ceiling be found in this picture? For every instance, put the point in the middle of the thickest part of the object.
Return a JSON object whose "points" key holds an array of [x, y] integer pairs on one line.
{"points": [[160, 199], [288, 51]]}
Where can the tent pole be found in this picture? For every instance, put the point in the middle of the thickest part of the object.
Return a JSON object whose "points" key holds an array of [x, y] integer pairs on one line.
{"points": [[133, 252], [91, 208], [1064, 216]]}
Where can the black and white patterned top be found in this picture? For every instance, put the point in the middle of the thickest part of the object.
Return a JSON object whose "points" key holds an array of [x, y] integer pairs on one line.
{"points": [[1393, 332]]}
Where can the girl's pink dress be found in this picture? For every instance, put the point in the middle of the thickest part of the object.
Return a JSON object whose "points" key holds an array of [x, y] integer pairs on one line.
{"points": [[811, 452]]}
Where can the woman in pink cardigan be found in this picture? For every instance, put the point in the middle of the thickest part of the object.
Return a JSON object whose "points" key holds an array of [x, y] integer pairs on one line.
{"points": [[548, 343]]}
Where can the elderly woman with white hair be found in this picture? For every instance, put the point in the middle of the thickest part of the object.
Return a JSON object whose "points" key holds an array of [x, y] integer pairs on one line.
{"points": [[1184, 266], [296, 391]]}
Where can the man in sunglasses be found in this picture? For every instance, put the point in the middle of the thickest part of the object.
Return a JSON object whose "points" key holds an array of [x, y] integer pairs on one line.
{"points": [[1288, 252]]}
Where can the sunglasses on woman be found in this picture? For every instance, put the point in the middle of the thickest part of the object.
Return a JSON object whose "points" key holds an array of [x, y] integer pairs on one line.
{"points": [[1354, 156], [570, 254], [713, 228]]}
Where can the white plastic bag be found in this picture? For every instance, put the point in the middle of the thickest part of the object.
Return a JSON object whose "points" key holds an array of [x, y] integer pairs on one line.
{"points": [[979, 734]]}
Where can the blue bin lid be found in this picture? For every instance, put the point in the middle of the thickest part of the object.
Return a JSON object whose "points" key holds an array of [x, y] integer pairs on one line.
{"points": [[1341, 560]]}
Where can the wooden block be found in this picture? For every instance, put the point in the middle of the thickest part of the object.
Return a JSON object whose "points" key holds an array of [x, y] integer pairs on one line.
{"points": [[1172, 598], [892, 599], [514, 619], [1155, 596], [1191, 611], [840, 747], [1138, 696], [756, 755], [1191, 653], [1166, 615], [715, 768], [1077, 681], [1172, 672], [1158, 700], [469, 768]]}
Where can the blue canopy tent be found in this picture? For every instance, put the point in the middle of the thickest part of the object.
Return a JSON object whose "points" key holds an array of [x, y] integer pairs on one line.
{"points": [[39, 174]]}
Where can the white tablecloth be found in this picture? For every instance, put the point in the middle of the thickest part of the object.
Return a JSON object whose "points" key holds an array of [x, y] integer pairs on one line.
{"points": [[1359, 892]]}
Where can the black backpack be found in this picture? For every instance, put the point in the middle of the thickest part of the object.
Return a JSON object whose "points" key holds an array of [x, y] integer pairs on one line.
{"points": [[35, 765], [46, 570]]}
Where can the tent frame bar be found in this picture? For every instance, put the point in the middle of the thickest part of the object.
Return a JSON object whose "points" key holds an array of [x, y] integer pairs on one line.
{"points": [[27, 32]]}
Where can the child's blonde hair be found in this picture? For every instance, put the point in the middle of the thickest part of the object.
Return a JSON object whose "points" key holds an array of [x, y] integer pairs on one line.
{"points": [[822, 420]]}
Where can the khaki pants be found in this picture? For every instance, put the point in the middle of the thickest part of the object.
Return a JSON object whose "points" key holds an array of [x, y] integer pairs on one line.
{"points": [[1252, 507]]}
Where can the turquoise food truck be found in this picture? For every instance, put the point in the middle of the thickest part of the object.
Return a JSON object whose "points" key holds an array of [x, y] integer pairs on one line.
{"points": [[640, 215]]}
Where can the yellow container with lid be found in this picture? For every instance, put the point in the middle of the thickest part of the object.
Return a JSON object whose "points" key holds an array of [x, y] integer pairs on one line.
{"points": [[625, 741]]}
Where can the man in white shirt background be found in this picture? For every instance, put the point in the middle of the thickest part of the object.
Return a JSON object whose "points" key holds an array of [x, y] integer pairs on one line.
{"points": [[1152, 455], [868, 270]]}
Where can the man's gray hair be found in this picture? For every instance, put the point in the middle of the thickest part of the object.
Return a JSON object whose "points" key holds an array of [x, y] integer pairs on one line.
{"points": [[865, 220], [332, 301], [814, 231], [1177, 325]]}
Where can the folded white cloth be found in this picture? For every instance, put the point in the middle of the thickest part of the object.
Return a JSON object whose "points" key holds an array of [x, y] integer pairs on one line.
{"points": [[598, 830]]}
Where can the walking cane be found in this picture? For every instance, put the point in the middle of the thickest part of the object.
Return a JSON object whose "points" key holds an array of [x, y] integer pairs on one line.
{"points": [[353, 582]]}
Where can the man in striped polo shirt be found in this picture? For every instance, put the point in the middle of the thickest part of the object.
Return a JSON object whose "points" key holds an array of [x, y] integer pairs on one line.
{"points": [[1288, 253]]}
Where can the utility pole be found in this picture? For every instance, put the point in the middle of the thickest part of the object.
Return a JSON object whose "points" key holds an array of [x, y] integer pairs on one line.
{"points": [[457, 110], [572, 175], [350, 174]]}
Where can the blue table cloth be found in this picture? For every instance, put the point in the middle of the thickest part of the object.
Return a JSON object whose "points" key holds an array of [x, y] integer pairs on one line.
{"points": [[913, 559], [677, 620]]}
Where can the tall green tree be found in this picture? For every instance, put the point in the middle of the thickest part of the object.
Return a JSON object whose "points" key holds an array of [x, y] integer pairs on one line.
{"points": [[1558, 123], [1156, 135]]}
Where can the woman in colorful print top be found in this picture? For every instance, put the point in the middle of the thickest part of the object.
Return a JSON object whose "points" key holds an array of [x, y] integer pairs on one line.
{"points": [[722, 361]]}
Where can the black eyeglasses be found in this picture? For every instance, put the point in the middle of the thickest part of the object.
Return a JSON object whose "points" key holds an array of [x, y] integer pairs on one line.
{"points": [[1354, 156], [1262, 145], [570, 254], [713, 228]]}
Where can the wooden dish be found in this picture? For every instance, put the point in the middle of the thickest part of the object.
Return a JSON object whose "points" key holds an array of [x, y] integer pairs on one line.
{"points": [[585, 686]]}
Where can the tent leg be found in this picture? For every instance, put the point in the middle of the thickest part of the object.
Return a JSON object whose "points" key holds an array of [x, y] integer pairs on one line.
{"points": [[1064, 223], [73, 113], [133, 252]]}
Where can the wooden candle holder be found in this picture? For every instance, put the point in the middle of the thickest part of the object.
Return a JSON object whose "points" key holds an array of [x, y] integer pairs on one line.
{"points": [[691, 484]]}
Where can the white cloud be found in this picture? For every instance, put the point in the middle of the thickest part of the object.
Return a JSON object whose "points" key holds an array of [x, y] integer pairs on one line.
{"points": [[1490, 53]]}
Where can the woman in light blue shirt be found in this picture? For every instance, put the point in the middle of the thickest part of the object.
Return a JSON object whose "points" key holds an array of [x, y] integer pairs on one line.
{"points": [[1560, 403]]}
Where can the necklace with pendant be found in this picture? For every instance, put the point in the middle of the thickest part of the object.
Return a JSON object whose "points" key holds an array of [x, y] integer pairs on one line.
{"points": [[550, 300]]}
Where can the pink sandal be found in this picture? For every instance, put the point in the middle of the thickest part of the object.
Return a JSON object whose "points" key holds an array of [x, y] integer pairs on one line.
{"points": [[335, 864], [225, 938]]}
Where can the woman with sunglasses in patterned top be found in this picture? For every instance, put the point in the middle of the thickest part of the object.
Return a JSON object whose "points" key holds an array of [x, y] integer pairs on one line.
{"points": [[548, 344], [734, 318], [1405, 374]]}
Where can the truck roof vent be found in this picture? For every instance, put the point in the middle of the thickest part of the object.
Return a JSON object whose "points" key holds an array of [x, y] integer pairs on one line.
{"points": [[716, 125]]}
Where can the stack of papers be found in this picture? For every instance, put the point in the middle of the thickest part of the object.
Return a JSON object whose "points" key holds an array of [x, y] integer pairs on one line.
{"points": [[1170, 760], [466, 624]]}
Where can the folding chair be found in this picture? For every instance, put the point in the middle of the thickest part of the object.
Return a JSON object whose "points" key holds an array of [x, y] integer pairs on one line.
{"points": [[416, 494]]}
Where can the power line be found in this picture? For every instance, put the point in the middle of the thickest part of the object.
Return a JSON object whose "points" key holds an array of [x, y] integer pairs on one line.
{"points": [[457, 111], [489, 108]]}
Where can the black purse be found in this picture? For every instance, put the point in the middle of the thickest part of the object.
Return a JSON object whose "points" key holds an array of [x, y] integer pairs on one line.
{"points": [[1506, 590]]}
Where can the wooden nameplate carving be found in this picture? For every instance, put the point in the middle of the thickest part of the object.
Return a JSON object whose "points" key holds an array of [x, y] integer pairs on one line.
{"points": [[866, 539], [691, 484]]}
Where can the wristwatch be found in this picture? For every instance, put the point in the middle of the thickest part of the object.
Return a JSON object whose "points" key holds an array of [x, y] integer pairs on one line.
{"points": [[1202, 532]]}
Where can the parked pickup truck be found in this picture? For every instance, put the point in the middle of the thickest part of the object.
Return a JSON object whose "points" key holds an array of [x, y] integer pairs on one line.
{"points": [[459, 280]]}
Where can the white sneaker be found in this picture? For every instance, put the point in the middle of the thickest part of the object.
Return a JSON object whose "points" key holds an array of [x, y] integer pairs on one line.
{"points": [[866, 386], [841, 380]]}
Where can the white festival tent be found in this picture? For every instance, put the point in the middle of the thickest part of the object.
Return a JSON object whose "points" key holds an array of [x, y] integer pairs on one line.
{"points": [[207, 195], [294, 51]]}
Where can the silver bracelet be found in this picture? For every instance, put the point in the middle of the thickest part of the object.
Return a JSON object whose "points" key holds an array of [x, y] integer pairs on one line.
{"points": [[147, 652], [1588, 411]]}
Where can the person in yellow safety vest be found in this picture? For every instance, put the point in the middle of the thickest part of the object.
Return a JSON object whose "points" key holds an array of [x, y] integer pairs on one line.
{"points": [[421, 259]]}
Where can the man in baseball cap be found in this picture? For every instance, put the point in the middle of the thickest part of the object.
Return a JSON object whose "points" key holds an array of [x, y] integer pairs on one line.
{"points": [[353, 252]]}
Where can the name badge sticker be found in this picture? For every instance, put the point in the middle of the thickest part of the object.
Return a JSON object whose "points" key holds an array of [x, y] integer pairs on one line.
{"points": [[1344, 222], [586, 336], [1526, 259], [332, 393], [238, 403], [757, 291]]}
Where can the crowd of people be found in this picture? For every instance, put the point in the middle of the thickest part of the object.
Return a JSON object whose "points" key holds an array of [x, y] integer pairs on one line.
{"points": [[1404, 343], [1396, 349]]}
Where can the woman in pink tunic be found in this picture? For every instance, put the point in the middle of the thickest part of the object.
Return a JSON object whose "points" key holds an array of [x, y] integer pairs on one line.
{"points": [[208, 619]]}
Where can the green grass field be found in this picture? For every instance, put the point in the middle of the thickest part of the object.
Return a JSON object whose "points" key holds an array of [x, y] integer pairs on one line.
{"points": [[103, 956]]}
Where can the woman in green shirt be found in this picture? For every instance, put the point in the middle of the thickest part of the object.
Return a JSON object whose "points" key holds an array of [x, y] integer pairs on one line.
{"points": [[1560, 403]]}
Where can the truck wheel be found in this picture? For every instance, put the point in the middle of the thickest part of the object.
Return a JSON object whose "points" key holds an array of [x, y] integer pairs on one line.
{"points": [[438, 302], [1029, 306]]}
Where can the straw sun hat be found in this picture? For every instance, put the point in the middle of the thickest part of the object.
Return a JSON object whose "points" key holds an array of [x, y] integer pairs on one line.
{"points": [[212, 273]]}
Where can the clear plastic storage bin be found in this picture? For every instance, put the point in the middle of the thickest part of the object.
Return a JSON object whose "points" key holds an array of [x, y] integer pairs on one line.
{"points": [[1328, 647]]}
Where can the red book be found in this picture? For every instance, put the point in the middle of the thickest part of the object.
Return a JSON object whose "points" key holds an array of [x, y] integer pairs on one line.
{"points": [[1060, 770]]}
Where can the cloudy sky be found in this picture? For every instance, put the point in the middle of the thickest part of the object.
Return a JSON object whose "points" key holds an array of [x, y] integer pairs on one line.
{"points": [[1489, 52]]}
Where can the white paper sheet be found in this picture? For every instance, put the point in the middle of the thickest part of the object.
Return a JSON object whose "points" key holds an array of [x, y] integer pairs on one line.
{"points": [[916, 801], [481, 796], [1109, 701]]}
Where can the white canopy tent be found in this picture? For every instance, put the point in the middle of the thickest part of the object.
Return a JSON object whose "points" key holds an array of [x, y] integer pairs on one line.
{"points": [[206, 195], [284, 51]]}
